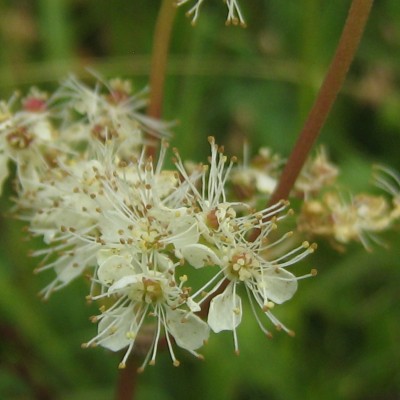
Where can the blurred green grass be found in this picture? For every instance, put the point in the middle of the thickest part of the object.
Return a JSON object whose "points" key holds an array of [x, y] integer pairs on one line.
{"points": [[257, 84]]}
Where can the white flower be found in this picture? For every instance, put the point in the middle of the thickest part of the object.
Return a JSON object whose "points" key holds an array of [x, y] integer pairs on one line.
{"points": [[142, 297], [213, 178], [256, 176], [318, 173], [111, 114], [65, 207], [359, 218], [220, 221], [241, 258], [266, 282], [28, 137]]}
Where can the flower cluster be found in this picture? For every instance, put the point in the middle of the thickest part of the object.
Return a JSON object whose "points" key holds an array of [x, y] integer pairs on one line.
{"points": [[45, 132], [326, 211], [343, 217], [105, 209], [146, 235]]}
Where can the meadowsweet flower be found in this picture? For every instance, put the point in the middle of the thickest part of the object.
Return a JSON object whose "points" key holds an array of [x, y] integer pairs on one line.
{"points": [[358, 219], [226, 229], [318, 173], [142, 296], [65, 210], [113, 113], [267, 282], [256, 176], [28, 137]]}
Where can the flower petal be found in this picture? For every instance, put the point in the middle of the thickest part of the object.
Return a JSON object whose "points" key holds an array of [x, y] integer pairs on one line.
{"points": [[278, 285], [114, 268], [185, 233], [126, 281], [199, 255], [225, 311], [188, 330], [112, 331]]}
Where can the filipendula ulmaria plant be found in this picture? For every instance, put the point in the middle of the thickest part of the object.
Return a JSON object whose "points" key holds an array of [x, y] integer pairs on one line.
{"points": [[91, 184]]}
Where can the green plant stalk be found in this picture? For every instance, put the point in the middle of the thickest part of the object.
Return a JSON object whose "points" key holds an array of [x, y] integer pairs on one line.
{"points": [[161, 41], [56, 35], [348, 44]]}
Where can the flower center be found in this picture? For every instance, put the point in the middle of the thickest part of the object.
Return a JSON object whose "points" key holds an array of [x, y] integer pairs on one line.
{"points": [[212, 219], [152, 291], [20, 138], [150, 236], [242, 266]]}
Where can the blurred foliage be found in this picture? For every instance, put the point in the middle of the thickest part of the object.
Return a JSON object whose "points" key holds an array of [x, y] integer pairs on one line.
{"points": [[254, 84]]}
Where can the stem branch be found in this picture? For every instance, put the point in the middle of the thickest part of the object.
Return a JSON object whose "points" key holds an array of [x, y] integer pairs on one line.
{"points": [[162, 35], [348, 44]]}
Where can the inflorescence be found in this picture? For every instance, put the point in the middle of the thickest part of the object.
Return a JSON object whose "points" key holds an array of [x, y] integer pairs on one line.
{"points": [[106, 209]]}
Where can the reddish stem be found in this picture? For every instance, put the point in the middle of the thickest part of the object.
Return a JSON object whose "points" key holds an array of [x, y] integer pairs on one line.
{"points": [[348, 44], [161, 41], [127, 381]]}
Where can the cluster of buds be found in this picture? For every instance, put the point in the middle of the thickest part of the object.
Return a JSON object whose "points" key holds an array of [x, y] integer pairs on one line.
{"points": [[106, 209]]}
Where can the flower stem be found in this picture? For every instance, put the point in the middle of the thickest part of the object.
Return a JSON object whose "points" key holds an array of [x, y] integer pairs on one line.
{"points": [[348, 44], [161, 40], [126, 384]]}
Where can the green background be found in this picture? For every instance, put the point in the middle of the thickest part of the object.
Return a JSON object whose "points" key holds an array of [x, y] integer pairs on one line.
{"points": [[254, 84]]}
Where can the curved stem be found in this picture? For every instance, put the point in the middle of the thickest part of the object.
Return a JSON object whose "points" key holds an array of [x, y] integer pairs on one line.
{"points": [[348, 44], [161, 40]]}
